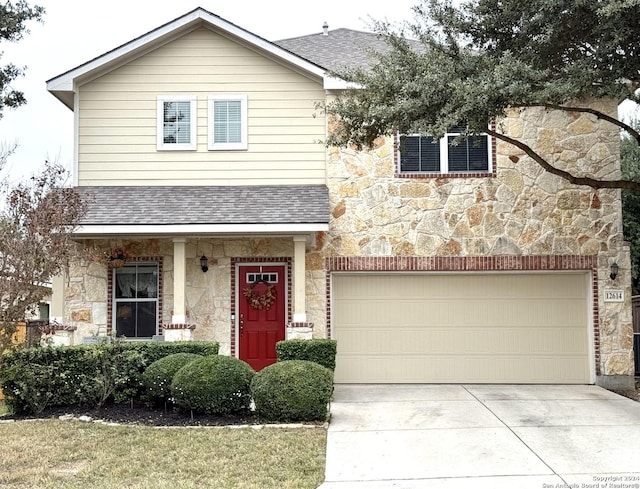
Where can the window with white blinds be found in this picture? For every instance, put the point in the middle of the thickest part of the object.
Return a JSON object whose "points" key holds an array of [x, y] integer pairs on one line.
{"points": [[227, 122]]}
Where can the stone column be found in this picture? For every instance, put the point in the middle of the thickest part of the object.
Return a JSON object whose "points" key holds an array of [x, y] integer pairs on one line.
{"points": [[299, 272], [179, 281], [299, 328], [56, 314]]}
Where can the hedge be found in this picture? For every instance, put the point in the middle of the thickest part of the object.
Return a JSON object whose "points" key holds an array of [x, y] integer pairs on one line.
{"points": [[33, 379], [320, 351]]}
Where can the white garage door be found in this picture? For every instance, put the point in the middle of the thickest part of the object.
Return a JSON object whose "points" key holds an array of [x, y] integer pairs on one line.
{"points": [[454, 328]]}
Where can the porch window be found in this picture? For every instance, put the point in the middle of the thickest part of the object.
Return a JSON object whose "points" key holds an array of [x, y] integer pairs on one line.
{"points": [[135, 301]]}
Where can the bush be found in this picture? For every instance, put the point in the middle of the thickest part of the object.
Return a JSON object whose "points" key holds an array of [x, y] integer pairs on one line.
{"points": [[214, 384], [117, 373], [319, 351], [36, 378], [33, 379], [158, 376], [292, 390]]}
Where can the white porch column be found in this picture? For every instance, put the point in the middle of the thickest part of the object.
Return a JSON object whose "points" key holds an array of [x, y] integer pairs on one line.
{"points": [[56, 313], [179, 281], [299, 279]]}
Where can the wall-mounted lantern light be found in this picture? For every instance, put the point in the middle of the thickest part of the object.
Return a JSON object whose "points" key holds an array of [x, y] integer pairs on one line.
{"points": [[204, 263], [614, 271]]}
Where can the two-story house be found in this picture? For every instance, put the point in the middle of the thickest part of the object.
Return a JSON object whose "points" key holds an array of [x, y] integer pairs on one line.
{"points": [[223, 216]]}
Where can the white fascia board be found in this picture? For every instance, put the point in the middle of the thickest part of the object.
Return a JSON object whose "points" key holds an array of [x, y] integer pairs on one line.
{"points": [[65, 81], [333, 83], [190, 229]]}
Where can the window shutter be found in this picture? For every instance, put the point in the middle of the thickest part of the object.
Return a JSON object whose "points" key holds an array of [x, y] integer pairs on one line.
{"points": [[419, 153], [479, 153], [409, 153], [458, 157], [430, 154], [470, 154]]}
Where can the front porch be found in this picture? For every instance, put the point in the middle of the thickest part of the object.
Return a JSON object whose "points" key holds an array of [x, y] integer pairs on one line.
{"points": [[189, 302]]}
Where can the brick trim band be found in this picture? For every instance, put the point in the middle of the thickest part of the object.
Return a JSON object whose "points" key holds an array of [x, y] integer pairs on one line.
{"points": [[178, 326], [460, 263], [300, 325], [49, 328]]}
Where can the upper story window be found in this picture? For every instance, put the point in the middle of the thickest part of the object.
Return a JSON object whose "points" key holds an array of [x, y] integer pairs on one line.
{"points": [[227, 122], [424, 154], [177, 122]]}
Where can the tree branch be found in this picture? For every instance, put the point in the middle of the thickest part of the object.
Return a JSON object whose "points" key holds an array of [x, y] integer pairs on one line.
{"points": [[600, 115], [590, 182]]}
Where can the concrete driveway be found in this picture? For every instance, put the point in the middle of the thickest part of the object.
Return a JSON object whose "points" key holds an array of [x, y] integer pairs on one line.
{"points": [[494, 436]]}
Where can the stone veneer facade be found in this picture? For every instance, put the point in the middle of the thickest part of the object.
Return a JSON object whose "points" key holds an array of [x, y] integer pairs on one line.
{"points": [[519, 216], [516, 212]]}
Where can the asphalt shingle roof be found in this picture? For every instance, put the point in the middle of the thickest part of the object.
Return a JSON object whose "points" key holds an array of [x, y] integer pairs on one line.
{"points": [[153, 205], [339, 49]]}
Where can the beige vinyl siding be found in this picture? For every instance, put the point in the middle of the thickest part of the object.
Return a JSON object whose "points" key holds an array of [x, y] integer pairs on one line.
{"points": [[457, 327], [118, 119]]}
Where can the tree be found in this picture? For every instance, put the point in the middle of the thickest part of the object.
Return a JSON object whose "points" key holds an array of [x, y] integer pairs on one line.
{"points": [[13, 18], [38, 215], [468, 64], [36, 225], [630, 165]]}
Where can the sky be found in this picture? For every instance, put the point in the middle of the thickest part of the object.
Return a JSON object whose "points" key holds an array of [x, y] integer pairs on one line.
{"points": [[74, 32]]}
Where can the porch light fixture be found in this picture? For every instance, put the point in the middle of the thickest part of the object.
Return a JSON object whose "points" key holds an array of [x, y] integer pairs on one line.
{"points": [[614, 271], [204, 263]]}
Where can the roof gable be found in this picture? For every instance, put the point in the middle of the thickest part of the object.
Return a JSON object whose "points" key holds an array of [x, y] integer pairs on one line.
{"points": [[64, 85]]}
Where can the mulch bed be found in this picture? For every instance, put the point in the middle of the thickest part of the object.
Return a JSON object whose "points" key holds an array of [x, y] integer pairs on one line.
{"points": [[630, 393], [140, 414]]}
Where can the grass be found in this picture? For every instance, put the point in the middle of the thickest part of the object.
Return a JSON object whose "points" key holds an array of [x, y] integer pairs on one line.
{"points": [[71, 454]]}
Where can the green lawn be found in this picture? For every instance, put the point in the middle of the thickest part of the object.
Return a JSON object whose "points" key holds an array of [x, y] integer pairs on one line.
{"points": [[71, 454]]}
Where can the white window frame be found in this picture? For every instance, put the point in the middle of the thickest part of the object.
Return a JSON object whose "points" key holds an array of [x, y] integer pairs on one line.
{"points": [[230, 97], [444, 157], [193, 123]]}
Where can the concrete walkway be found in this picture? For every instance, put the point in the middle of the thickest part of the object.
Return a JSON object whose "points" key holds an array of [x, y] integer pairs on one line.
{"points": [[476, 436]]}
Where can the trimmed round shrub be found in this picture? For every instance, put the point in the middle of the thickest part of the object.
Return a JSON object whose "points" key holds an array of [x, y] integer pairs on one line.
{"points": [[214, 385], [293, 390], [158, 376]]}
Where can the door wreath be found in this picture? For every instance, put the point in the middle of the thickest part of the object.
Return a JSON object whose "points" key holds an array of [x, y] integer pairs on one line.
{"points": [[260, 301]]}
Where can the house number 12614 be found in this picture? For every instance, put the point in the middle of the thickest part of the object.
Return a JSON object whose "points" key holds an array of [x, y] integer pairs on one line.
{"points": [[613, 295]]}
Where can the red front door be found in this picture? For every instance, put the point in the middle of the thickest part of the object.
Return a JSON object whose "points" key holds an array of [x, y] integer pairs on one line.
{"points": [[262, 313]]}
